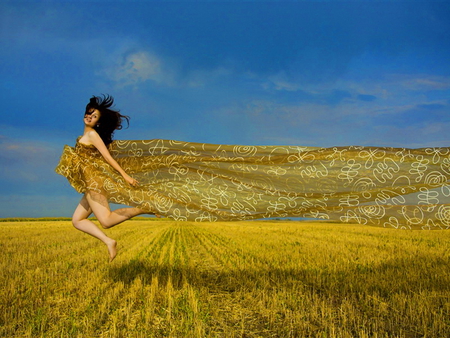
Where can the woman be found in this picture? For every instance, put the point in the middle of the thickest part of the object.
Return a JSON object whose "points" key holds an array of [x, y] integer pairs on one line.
{"points": [[85, 166]]}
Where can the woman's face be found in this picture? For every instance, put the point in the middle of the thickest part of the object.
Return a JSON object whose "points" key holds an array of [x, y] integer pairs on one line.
{"points": [[91, 118]]}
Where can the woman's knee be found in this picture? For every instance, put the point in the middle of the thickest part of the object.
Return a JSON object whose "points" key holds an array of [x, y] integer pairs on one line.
{"points": [[76, 222]]}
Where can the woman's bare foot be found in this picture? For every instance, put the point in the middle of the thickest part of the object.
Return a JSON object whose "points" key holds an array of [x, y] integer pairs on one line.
{"points": [[112, 249]]}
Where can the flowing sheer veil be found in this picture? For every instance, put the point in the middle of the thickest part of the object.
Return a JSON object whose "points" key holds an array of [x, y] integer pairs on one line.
{"points": [[387, 187]]}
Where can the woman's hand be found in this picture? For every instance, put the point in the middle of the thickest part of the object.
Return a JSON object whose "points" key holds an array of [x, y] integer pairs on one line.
{"points": [[130, 180]]}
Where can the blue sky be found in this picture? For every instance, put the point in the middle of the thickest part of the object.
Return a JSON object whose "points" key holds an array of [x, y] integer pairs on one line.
{"points": [[279, 73]]}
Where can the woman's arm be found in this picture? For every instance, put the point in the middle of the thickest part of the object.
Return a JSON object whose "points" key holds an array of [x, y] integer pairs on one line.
{"points": [[95, 139]]}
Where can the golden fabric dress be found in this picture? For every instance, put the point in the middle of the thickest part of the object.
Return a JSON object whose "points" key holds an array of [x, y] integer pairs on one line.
{"points": [[388, 187]]}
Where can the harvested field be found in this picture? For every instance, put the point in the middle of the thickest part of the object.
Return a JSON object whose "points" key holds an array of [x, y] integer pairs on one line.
{"points": [[237, 279]]}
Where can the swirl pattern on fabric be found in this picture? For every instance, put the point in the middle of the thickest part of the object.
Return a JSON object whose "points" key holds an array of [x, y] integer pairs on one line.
{"points": [[387, 187]]}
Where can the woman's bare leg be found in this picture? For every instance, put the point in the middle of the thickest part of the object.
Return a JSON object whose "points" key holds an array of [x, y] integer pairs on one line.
{"points": [[107, 218], [81, 222]]}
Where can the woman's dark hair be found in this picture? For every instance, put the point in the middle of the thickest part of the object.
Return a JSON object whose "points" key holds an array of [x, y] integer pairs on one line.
{"points": [[110, 120]]}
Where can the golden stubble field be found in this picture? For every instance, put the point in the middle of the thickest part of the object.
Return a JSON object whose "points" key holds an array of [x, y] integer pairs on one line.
{"points": [[241, 279]]}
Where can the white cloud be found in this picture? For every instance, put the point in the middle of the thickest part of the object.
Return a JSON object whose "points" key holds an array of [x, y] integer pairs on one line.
{"points": [[139, 67], [136, 68], [280, 81], [422, 82], [201, 78]]}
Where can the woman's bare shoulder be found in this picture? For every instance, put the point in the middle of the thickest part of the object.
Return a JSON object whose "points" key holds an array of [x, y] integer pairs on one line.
{"points": [[89, 137]]}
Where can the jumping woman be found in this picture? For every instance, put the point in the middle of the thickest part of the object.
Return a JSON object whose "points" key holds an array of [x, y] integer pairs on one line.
{"points": [[88, 168]]}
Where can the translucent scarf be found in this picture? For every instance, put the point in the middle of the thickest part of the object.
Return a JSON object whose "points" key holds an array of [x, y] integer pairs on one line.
{"points": [[387, 187]]}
